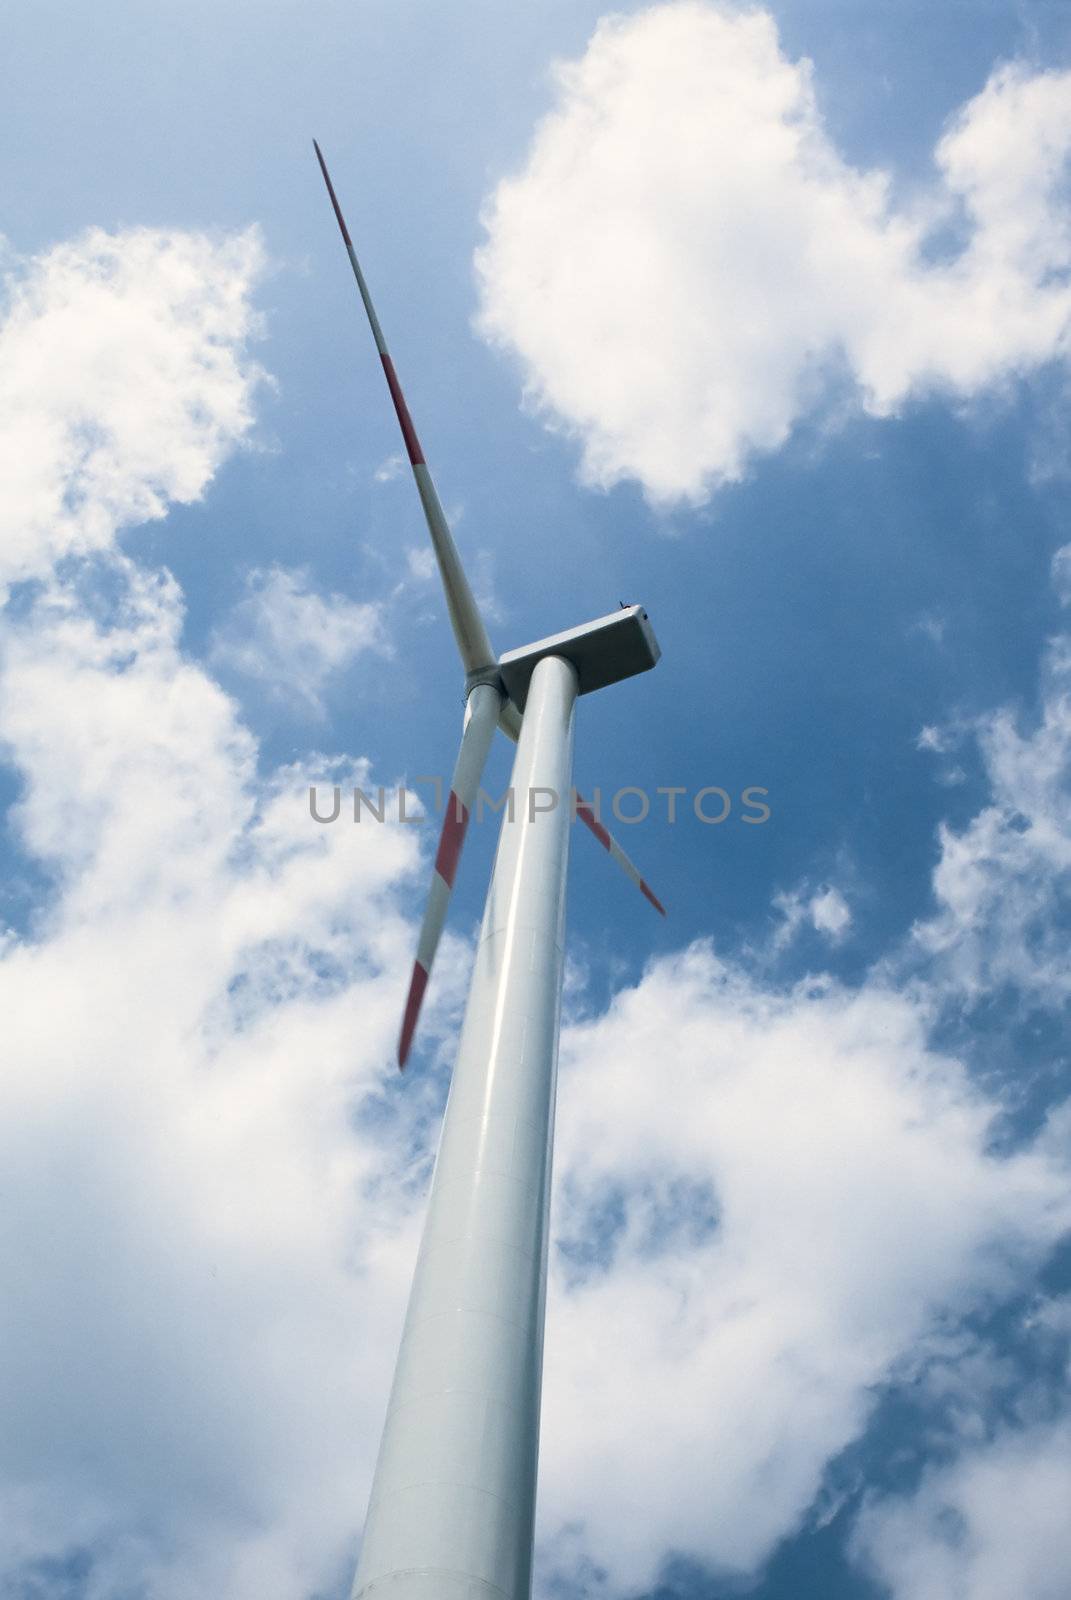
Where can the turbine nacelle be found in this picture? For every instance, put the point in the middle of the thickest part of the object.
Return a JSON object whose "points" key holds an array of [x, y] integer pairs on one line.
{"points": [[601, 652]]}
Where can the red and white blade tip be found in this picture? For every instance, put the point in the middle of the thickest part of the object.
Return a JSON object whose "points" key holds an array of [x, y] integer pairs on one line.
{"points": [[611, 846]]}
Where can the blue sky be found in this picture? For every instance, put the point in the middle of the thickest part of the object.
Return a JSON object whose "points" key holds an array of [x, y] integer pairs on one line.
{"points": [[778, 349]]}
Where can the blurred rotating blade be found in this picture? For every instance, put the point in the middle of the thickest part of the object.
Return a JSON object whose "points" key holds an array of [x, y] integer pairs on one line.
{"points": [[481, 720]]}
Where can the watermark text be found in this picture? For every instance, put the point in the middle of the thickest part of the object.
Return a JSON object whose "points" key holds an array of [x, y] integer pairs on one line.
{"points": [[627, 806]]}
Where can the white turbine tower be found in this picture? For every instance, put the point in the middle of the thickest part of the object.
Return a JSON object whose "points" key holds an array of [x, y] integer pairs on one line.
{"points": [[452, 1508]]}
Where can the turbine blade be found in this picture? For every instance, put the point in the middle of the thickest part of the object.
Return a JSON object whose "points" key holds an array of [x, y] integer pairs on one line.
{"points": [[510, 721], [481, 720], [473, 643], [609, 843]]}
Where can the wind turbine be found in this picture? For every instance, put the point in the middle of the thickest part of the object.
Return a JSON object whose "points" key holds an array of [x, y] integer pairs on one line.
{"points": [[452, 1508]]}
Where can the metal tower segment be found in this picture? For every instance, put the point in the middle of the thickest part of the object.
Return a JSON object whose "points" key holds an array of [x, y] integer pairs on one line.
{"points": [[453, 1502]]}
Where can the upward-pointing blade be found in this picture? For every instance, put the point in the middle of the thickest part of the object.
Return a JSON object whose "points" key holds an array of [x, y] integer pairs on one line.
{"points": [[469, 631], [481, 720]]}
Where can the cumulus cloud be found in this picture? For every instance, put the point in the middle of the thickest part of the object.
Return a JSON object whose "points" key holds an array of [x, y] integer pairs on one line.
{"points": [[939, 741], [193, 1235], [825, 910], [211, 1197], [789, 1199], [204, 1266], [831, 913], [686, 266], [1003, 882], [992, 1524], [125, 379], [288, 635], [764, 1203]]}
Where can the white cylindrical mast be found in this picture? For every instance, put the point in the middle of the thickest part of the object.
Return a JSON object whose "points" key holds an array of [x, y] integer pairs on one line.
{"points": [[453, 1498]]}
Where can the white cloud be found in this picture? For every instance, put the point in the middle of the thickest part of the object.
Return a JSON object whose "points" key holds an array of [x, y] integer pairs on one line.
{"points": [[826, 910], [831, 913], [1003, 883], [1061, 574], [420, 563], [1049, 460], [942, 741], [211, 1196], [686, 265], [124, 382], [284, 633], [937, 740], [204, 1267], [205, 1270], [992, 1525], [766, 1202]]}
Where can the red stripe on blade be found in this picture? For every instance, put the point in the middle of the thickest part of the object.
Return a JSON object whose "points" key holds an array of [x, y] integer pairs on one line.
{"points": [[418, 984], [586, 815], [331, 192], [451, 839], [412, 443], [653, 898]]}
